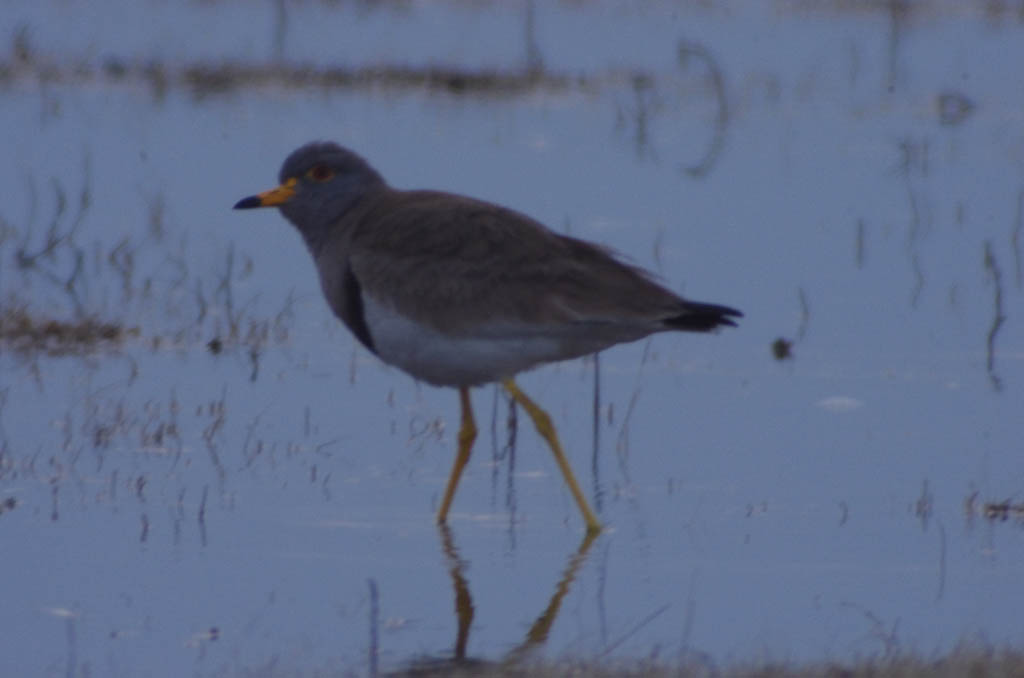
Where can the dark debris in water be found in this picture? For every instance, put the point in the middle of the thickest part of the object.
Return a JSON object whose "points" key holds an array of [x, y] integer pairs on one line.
{"points": [[782, 349], [25, 332], [1003, 511], [953, 108], [8, 504], [994, 511]]}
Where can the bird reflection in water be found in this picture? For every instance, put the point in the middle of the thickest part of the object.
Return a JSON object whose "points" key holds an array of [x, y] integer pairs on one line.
{"points": [[459, 663]]}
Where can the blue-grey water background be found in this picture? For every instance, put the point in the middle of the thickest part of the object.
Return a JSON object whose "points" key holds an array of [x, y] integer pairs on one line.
{"points": [[849, 175]]}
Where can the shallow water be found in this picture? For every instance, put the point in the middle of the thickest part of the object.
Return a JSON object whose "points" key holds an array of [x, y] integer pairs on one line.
{"points": [[850, 179]]}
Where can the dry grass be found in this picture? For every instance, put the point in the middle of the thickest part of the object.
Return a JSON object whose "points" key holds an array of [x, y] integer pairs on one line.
{"points": [[24, 332], [965, 662]]}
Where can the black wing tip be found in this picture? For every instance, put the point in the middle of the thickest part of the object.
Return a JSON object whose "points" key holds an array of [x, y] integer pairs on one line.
{"points": [[728, 314], [699, 317]]}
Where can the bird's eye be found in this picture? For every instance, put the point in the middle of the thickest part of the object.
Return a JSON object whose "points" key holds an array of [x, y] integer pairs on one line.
{"points": [[320, 173]]}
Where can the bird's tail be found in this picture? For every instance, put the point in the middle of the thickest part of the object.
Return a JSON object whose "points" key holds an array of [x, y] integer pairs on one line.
{"points": [[698, 317]]}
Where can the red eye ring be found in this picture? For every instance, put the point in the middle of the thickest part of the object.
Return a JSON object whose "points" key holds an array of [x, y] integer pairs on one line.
{"points": [[320, 173]]}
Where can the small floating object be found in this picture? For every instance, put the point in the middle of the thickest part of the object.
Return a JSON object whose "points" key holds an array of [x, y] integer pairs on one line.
{"points": [[954, 108]]}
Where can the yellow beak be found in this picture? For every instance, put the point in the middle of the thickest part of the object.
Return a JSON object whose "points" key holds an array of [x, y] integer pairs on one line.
{"points": [[271, 198]]}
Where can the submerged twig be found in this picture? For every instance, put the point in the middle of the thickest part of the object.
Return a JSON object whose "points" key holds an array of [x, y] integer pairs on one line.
{"points": [[998, 317]]}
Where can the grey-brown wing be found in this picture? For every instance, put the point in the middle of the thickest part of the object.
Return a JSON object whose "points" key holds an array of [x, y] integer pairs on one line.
{"points": [[457, 263]]}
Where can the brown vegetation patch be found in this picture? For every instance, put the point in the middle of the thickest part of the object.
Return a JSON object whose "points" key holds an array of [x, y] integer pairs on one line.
{"points": [[25, 332]]}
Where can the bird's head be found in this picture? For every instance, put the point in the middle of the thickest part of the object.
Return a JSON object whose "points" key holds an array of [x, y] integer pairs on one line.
{"points": [[319, 182]]}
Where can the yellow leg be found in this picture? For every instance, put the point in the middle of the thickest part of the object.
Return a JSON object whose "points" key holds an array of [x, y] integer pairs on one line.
{"points": [[467, 434], [546, 429]]}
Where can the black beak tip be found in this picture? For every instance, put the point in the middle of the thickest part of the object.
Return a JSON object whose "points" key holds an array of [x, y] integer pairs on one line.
{"points": [[248, 203]]}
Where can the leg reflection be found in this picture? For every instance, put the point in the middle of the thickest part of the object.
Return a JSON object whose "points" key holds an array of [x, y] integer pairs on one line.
{"points": [[538, 633], [464, 610], [463, 600]]}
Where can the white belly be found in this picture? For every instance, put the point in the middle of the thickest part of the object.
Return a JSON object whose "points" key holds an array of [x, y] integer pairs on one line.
{"points": [[445, 360]]}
